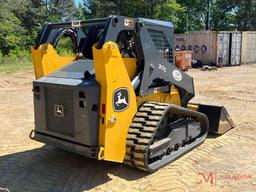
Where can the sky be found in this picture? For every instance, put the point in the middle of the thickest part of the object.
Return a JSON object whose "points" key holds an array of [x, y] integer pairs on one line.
{"points": [[78, 1]]}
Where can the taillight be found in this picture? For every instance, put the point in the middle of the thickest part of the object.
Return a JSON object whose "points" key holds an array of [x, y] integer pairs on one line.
{"points": [[103, 108]]}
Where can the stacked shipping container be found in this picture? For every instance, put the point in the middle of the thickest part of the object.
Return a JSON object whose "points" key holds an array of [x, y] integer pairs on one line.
{"points": [[223, 48]]}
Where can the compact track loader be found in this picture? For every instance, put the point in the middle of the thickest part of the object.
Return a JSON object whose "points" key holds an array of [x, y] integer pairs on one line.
{"points": [[120, 97]]}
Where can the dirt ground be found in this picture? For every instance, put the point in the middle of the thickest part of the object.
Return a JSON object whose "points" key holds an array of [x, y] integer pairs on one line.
{"points": [[225, 163]]}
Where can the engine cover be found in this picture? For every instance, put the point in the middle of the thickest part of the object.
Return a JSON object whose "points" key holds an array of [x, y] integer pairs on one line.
{"points": [[67, 108]]}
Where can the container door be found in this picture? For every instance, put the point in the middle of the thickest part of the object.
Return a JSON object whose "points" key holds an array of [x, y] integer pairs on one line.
{"points": [[245, 56], [248, 47], [223, 48], [236, 41], [253, 47]]}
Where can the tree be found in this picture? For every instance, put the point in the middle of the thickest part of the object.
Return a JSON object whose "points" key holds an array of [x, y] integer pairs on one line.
{"points": [[32, 19], [21, 20], [246, 14], [60, 10], [196, 11], [80, 12], [98, 8], [12, 33], [223, 15], [172, 11], [156, 9]]}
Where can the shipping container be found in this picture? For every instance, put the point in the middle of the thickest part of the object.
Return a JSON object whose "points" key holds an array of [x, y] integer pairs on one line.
{"points": [[203, 44], [229, 48], [248, 53], [236, 47], [222, 48]]}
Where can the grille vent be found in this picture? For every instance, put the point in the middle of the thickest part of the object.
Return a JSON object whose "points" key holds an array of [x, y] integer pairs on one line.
{"points": [[63, 125], [162, 44]]}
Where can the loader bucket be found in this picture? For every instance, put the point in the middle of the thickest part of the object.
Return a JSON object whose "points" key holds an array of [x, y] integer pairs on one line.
{"points": [[219, 120]]}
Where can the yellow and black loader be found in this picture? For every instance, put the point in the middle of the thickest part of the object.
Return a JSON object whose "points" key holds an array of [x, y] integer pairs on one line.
{"points": [[120, 97]]}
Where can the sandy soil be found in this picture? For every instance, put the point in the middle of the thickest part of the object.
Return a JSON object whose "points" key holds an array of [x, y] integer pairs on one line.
{"points": [[227, 161]]}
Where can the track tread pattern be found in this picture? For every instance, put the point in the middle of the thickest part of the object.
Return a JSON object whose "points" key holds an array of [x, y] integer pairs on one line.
{"points": [[141, 133]]}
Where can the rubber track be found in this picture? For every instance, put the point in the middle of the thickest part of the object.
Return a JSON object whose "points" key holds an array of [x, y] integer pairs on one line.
{"points": [[141, 133], [143, 129]]}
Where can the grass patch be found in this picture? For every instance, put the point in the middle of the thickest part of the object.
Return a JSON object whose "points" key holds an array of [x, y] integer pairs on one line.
{"points": [[15, 61], [9, 68]]}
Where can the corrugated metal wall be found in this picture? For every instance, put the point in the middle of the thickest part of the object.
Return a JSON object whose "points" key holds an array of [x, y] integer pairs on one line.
{"points": [[203, 45], [223, 49], [212, 47], [229, 48], [236, 46], [248, 47]]}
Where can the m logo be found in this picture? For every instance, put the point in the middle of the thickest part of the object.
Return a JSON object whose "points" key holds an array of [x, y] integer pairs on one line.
{"points": [[120, 99], [206, 178], [59, 110]]}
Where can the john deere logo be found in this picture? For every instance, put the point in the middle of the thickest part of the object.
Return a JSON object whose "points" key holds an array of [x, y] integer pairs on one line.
{"points": [[59, 110], [120, 99]]}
